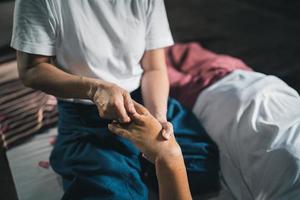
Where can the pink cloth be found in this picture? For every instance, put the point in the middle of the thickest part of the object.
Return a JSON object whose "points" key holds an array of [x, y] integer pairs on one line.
{"points": [[192, 68]]}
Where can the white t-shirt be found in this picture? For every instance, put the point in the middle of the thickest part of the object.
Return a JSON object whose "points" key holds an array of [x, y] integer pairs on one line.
{"points": [[103, 39]]}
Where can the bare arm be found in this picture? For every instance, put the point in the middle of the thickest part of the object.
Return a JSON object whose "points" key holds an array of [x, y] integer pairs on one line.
{"points": [[155, 88], [155, 83], [144, 132], [37, 72], [172, 178]]}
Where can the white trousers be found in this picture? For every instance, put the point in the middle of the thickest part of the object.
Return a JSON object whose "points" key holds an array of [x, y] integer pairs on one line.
{"points": [[255, 121]]}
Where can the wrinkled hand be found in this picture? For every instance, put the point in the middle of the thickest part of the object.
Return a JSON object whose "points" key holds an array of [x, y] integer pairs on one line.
{"points": [[112, 102], [145, 132]]}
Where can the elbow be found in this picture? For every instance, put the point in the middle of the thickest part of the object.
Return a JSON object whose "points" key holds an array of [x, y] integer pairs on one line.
{"points": [[28, 83], [27, 79], [29, 68]]}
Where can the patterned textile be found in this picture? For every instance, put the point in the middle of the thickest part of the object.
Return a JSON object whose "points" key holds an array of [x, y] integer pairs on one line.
{"points": [[23, 111], [193, 68]]}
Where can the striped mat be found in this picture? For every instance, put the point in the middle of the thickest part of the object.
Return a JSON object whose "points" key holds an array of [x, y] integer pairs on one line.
{"points": [[23, 112]]}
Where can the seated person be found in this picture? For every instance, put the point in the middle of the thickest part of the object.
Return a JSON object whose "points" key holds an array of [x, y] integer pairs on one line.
{"points": [[96, 57]]}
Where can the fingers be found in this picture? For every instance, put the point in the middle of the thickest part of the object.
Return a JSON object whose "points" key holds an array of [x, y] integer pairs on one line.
{"points": [[167, 130], [137, 118], [128, 103], [118, 130], [140, 108], [116, 103], [121, 112]]}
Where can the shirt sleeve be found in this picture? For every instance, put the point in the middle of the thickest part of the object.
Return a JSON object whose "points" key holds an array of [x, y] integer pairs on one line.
{"points": [[33, 28], [158, 34]]}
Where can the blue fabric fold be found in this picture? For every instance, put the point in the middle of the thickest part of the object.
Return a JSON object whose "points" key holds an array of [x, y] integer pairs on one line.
{"points": [[96, 164]]}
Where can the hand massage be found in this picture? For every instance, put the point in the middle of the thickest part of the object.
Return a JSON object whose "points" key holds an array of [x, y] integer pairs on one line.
{"points": [[130, 125]]}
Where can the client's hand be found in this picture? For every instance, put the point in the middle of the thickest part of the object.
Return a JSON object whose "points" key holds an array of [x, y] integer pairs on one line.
{"points": [[145, 132]]}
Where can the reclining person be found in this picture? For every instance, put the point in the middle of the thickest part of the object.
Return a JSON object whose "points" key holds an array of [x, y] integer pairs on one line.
{"points": [[254, 119]]}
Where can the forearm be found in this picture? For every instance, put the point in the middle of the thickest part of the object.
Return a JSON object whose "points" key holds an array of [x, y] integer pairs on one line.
{"points": [[52, 80], [155, 91], [172, 179]]}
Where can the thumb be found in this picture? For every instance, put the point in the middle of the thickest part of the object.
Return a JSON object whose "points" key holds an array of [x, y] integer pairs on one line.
{"points": [[167, 130]]}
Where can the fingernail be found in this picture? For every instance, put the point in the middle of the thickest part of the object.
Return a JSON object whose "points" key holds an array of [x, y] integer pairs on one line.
{"points": [[167, 135], [110, 126]]}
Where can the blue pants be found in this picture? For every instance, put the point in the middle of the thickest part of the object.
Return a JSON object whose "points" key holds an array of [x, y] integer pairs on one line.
{"points": [[96, 164]]}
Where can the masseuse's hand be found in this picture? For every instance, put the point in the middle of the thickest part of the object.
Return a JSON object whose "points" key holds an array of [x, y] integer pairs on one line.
{"points": [[145, 132], [112, 102]]}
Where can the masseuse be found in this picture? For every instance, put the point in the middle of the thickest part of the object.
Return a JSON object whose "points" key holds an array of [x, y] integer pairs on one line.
{"points": [[96, 56]]}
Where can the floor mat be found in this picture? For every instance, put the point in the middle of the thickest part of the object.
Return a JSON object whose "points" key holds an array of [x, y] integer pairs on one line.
{"points": [[32, 181]]}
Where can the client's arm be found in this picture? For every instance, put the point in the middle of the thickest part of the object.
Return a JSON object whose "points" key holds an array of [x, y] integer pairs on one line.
{"points": [[144, 132]]}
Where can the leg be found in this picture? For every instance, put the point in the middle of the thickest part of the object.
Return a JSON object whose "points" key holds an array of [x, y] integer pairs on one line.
{"points": [[94, 163]]}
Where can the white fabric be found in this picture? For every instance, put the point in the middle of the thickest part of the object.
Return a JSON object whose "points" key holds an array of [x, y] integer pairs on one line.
{"points": [[255, 121], [31, 181], [103, 39]]}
